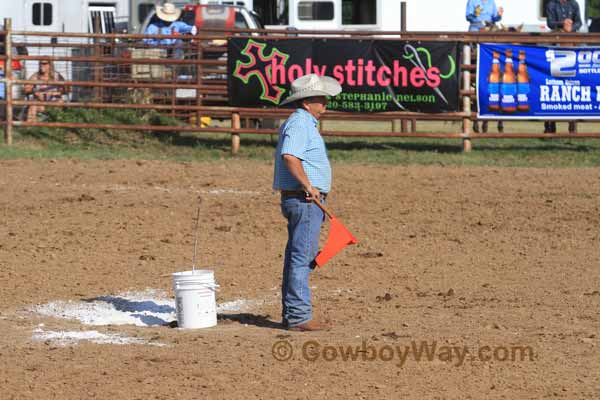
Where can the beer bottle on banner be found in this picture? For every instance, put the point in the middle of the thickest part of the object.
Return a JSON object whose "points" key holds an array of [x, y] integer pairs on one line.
{"points": [[508, 88], [494, 79], [522, 84]]}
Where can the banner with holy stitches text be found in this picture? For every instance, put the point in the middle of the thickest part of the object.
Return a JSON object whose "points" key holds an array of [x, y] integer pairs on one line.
{"points": [[538, 82], [376, 76]]}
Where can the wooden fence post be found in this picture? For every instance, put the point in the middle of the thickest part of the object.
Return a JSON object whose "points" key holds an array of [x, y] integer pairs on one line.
{"points": [[467, 145], [199, 73], [401, 125], [98, 91], [235, 137], [403, 16], [8, 92]]}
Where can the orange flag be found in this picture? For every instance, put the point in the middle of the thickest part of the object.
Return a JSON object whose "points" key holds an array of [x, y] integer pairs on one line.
{"points": [[338, 238]]}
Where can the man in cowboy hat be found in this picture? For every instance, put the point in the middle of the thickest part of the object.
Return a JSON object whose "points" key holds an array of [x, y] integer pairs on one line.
{"points": [[165, 22], [303, 175]]}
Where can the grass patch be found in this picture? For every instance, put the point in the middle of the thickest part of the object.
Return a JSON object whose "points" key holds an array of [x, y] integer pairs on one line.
{"points": [[105, 144]]}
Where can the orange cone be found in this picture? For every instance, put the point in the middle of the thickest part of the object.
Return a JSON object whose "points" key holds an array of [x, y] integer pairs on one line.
{"points": [[338, 238]]}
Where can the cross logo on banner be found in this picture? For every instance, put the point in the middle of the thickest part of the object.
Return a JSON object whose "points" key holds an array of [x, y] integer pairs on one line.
{"points": [[259, 66]]}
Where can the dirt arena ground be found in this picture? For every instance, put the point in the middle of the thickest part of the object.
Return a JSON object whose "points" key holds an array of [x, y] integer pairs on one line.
{"points": [[501, 262]]}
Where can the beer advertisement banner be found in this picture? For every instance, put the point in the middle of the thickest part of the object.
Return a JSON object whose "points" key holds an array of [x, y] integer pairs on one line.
{"points": [[376, 76], [537, 82]]}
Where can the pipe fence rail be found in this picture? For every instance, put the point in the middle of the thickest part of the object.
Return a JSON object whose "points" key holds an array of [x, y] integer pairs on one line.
{"points": [[188, 82]]}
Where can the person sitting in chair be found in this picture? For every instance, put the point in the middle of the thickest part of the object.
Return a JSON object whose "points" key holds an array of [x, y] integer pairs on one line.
{"points": [[44, 91]]}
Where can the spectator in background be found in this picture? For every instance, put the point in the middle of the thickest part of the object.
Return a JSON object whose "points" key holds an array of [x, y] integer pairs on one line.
{"points": [[44, 91], [480, 12], [595, 25], [166, 22], [562, 16]]}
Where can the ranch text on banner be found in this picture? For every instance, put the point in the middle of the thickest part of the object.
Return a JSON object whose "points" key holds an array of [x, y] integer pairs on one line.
{"points": [[538, 82]]}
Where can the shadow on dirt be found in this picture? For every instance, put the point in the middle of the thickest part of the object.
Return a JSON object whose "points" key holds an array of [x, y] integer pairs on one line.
{"points": [[261, 321]]}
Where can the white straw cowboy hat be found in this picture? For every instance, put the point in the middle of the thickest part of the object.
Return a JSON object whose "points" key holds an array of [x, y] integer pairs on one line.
{"points": [[312, 85], [168, 12]]}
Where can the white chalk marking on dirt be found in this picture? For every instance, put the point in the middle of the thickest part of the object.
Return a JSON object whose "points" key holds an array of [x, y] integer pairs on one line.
{"points": [[239, 305], [70, 338], [340, 291], [216, 192], [148, 308], [230, 191]]}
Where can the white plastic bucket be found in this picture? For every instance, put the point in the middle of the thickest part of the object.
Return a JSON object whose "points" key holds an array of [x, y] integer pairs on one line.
{"points": [[195, 299]]}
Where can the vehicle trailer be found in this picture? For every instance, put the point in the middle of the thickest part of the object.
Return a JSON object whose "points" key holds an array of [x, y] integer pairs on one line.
{"points": [[385, 15]]}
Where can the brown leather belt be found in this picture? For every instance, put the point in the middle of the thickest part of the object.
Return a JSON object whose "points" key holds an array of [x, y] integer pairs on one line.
{"points": [[293, 193], [297, 193]]}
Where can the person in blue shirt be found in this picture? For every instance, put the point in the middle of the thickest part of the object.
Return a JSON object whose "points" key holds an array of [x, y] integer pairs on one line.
{"points": [[562, 16], [303, 175], [166, 22], [480, 12]]}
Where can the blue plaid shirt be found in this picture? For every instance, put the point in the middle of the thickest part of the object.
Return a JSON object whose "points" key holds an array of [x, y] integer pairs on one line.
{"points": [[300, 137], [166, 28]]}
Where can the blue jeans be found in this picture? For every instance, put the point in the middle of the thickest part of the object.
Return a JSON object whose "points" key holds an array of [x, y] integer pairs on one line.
{"points": [[304, 225]]}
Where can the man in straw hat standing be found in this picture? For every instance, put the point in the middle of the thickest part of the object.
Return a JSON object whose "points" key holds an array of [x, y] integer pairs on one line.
{"points": [[302, 174]]}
